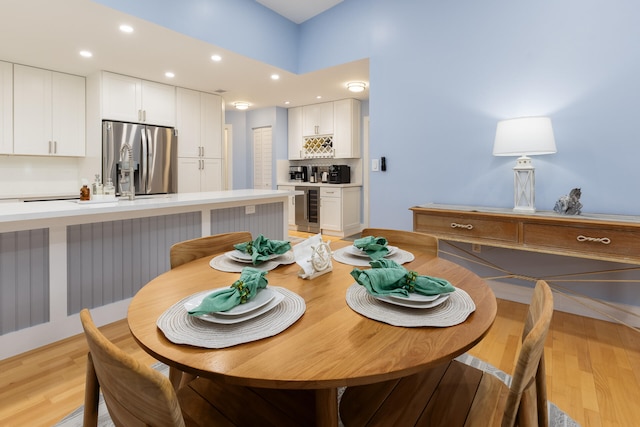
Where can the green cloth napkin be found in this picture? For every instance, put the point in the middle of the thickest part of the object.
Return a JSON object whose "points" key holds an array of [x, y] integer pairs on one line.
{"points": [[375, 247], [261, 248], [242, 290], [387, 277]]}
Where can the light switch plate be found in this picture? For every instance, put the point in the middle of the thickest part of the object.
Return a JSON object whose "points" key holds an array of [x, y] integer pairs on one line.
{"points": [[375, 165]]}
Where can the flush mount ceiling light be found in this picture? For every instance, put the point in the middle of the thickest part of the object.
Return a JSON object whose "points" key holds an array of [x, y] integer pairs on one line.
{"points": [[241, 105], [356, 86]]}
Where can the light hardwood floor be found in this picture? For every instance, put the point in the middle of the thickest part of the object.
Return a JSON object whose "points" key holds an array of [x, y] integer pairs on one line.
{"points": [[593, 370]]}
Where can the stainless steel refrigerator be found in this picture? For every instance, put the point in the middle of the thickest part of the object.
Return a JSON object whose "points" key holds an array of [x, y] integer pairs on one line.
{"points": [[155, 157]]}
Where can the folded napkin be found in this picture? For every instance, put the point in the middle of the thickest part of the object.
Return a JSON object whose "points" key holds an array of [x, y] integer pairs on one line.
{"points": [[242, 290], [387, 277], [375, 247], [261, 248]]}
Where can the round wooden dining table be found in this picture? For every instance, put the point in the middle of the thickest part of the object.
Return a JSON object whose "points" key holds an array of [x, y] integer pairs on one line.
{"points": [[328, 347]]}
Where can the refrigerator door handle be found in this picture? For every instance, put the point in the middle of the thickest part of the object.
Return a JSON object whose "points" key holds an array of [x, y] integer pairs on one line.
{"points": [[144, 160]]}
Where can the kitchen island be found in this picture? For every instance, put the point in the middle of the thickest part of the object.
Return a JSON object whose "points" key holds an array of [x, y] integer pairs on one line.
{"points": [[57, 257]]}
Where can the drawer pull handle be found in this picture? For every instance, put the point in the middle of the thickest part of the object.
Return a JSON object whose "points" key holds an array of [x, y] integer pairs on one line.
{"points": [[467, 226], [604, 240]]}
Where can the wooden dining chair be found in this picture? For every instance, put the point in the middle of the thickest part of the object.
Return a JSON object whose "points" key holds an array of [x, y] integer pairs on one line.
{"points": [[455, 394], [402, 238], [189, 250], [137, 395]]}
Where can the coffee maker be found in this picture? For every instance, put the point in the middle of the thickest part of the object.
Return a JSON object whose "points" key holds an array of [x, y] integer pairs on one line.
{"points": [[298, 173]]}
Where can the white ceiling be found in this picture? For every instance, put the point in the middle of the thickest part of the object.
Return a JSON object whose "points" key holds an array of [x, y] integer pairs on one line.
{"points": [[49, 34], [299, 11]]}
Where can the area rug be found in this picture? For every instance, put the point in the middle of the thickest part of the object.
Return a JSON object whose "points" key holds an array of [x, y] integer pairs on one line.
{"points": [[557, 418]]}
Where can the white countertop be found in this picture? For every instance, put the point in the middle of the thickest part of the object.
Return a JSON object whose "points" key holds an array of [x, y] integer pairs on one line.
{"points": [[318, 184], [26, 211]]}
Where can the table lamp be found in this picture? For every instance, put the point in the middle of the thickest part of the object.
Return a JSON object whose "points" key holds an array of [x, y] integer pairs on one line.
{"points": [[524, 137]]}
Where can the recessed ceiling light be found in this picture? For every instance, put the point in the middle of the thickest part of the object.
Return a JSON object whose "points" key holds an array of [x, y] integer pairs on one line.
{"points": [[275, 77], [169, 74], [216, 58], [287, 102], [241, 105], [319, 97], [126, 28], [356, 86], [86, 53]]}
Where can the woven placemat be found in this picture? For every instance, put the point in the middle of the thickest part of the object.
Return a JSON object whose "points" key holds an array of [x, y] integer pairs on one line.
{"points": [[343, 256], [453, 311], [181, 328], [224, 263]]}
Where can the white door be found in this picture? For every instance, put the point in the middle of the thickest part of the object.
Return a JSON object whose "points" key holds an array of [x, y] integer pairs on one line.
{"points": [[68, 109], [262, 158], [211, 179], [32, 110], [189, 170]]}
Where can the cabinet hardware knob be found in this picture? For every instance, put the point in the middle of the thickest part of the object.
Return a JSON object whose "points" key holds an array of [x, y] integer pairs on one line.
{"points": [[466, 226], [603, 240]]}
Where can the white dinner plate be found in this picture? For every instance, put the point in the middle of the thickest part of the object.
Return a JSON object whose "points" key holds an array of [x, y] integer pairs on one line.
{"points": [[416, 297], [406, 302], [263, 297], [240, 256], [353, 250]]}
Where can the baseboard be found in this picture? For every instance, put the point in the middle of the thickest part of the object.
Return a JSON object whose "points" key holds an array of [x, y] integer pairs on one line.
{"points": [[582, 306]]}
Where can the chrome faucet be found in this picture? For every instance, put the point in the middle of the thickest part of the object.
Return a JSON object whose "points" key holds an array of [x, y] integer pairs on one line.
{"points": [[127, 171]]}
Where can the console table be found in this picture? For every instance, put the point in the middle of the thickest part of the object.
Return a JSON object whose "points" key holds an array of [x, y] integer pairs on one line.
{"points": [[603, 237]]}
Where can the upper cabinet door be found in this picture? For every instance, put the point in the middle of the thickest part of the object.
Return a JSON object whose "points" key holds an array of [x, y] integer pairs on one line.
{"points": [[6, 108], [68, 114], [188, 122], [32, 111], [346, 135], [158, 104], [121, 98], [211, 125], [317, 119], [295, 133]]}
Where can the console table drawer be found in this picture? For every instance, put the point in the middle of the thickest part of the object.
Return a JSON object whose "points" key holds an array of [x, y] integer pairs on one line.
{"points": [[462, 228], [583, 239]]}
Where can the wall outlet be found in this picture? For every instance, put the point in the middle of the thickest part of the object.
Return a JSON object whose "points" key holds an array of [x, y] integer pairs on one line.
{"points": [[476, 248], [251, 209], [375, 165]]}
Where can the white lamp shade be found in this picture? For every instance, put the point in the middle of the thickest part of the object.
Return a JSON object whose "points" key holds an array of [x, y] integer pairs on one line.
{"points": [[524, 136]]}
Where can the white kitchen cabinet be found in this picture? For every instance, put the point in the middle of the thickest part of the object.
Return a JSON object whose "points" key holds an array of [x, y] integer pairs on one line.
{"points": [[262, 158], [199, 124], [49, 112], [295, 133], [6, 108], [317, 119], [340, 211], [291, 207], [346, 130], [130, 99], [196, 174]]}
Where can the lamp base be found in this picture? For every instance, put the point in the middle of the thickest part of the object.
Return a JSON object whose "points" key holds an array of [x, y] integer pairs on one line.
{"points": [[524, 186]]}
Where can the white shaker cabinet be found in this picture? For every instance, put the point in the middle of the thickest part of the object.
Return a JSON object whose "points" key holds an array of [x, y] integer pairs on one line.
{"points": [[340, 211], [6, 108], [130, 99], [317, 119], [346, 131], [292, 206], [196, 174], [294, 132], [49, 112], [199, 124]]}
